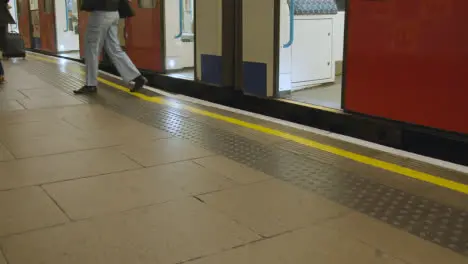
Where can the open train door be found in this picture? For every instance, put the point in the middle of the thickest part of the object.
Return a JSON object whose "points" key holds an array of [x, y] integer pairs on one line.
{"points": [[24, 22], [143, 35], [47, 25]]}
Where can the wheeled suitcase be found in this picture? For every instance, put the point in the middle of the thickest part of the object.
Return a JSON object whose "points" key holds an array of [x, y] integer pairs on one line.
{"points": [[14, 46]]}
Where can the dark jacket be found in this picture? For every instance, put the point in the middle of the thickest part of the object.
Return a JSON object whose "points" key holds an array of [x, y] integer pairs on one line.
{"points": [[100, 5], [5, 16], [5, 19]]}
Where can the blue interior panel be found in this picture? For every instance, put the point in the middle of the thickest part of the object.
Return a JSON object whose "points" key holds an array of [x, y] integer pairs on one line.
{"points": [[255, 78]]}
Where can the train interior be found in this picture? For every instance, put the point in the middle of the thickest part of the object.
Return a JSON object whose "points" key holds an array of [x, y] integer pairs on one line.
{"points": [[311, 51], [14, 13], [32, 14], [180, 38], [67, 30]]}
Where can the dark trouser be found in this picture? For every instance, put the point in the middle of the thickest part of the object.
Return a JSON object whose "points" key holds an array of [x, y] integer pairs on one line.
{"points": [[2, 72], [3, 34]]}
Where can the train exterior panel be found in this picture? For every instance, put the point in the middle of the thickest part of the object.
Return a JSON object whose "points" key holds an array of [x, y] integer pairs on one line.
{"points": [[406, 61]]}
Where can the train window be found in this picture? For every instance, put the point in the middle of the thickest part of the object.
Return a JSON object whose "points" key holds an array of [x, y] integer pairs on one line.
{"points": [[341, 4], [188, 17], [147, 3], [33, 5], [48, 6]]}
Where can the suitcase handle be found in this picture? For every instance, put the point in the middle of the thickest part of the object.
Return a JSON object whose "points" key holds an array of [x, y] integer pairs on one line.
{"points": [[14, 32]]}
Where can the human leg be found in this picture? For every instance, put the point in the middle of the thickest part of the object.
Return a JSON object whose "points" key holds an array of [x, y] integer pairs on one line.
{"points": [[95, 34], [120, 59]]}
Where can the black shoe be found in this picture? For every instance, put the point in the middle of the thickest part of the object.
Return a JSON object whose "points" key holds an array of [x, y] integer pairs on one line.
{"points": [[140, 81], [86, 90]]}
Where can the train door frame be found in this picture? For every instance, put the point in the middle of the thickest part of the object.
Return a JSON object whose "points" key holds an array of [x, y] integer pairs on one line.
{"points": [[159, 66], [36, 43], [164, 42], [20, 14], [276, 49], [195, 60], [345, 57], [254, 84], [229, 40], [82, 16], [238, 46], [215, 45], [276, 93], [162, 37], [82, 30]]}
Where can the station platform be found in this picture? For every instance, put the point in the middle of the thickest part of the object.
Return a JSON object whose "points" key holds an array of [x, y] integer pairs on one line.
{"points": [[152, 177]]}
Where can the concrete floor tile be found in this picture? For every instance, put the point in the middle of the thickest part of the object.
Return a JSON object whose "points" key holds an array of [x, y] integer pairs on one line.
{"points": [[2, 259], [27, 209], [396, 242], [25, 140], [7, 94], [168, 233], [232, 170], [27, 81], [10, 105], [49, 102], [83, 198], [5, 155], [192, 178], [23, 131], [7, 118], [305, 246], [273, 207], [44, 93], [163, 151], [49, 145], [48, 115], [47, 169]]}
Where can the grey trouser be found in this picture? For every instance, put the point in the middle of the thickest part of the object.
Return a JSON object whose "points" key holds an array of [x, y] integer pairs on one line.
{"points": [[102, 31]]}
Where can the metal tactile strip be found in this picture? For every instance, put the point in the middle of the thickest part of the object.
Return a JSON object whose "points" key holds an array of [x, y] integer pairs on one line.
{"points": [[432, 221], [404, 162]]}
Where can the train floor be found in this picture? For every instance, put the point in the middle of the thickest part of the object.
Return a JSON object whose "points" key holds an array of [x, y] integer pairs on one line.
{"points": [[327, 95], [152, 178]]}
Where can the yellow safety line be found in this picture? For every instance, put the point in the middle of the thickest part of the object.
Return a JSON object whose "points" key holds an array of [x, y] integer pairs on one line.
{"points": [[414, 174]]}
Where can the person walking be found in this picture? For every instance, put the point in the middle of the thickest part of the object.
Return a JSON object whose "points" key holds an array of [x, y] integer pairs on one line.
{"points": [[5, 20], [102, 30]]}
